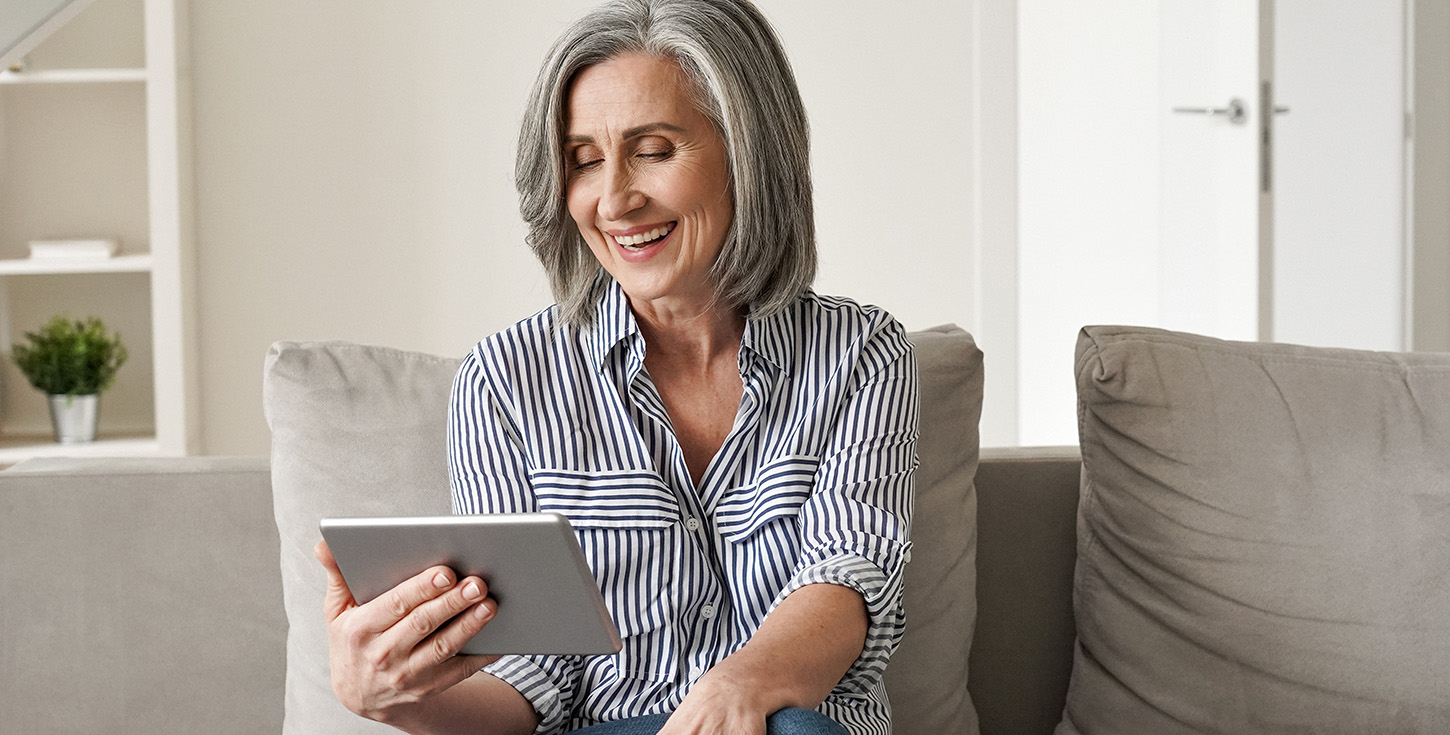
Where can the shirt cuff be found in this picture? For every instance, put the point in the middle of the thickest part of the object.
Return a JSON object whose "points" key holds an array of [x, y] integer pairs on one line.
{"points": [[881, 588], [532, 681]]}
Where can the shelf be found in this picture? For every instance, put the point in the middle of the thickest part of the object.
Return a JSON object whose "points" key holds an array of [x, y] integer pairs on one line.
{"points": [[58, 266], [14, 449], [96, 140], [73, 76]]}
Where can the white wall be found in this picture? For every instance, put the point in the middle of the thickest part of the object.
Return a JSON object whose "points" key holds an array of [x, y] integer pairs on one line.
{"points": [[1088, 162], [996, 215], [354, 164]]}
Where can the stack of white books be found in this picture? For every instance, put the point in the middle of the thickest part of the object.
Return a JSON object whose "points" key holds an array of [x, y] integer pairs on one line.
{"points": [[80, 249]]}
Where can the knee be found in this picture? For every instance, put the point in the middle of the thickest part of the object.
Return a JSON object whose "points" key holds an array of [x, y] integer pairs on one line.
{"points": [[797, 721]]}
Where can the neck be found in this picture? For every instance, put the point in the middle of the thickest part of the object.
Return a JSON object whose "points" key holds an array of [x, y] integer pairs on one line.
{"points": [[697, 337]]}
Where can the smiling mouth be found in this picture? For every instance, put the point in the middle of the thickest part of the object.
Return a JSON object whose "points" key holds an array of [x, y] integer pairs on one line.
{"points": [[643, 240]]}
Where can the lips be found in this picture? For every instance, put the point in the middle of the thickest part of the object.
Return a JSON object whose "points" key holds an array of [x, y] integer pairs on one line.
{"points": [[640, 240]]}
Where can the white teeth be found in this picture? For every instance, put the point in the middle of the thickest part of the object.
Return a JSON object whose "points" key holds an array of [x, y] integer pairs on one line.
{"points": [[636, 241]]}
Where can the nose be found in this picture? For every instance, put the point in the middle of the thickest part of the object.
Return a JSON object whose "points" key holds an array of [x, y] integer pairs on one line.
{"points": [[620, 196]]}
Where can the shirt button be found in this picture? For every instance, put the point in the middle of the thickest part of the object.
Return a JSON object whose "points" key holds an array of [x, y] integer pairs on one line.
{"points": [[692, 524], [696, 672], [707, 612]]}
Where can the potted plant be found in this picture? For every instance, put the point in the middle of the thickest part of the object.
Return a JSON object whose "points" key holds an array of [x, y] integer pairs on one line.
{"points": [[72, 362]]}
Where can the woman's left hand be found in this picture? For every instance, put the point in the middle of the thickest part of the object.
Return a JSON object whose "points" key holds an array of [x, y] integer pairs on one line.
{"points": [[722, 702], [820, 629]]}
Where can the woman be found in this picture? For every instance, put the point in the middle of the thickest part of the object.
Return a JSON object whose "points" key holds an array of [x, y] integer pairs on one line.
{"points": [[734, 451]]}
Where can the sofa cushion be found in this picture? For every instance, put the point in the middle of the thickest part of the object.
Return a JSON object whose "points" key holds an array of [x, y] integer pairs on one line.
{"points": [[361, 431], [927, 678], [356, 431], [1026, 554], [1262, 538]]}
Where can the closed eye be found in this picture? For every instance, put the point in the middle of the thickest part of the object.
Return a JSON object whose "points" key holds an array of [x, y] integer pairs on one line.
{"points": [[654, 149]]}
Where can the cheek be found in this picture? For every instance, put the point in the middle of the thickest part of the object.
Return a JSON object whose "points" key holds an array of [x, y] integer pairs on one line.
{"points": [[715, 192], [721, 207], [577, 202], [705, 195]]}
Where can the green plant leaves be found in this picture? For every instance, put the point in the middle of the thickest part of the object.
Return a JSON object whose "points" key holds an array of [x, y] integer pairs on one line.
{"points": [[73, 358]]}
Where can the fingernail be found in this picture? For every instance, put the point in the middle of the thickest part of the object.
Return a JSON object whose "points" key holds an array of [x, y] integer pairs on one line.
{"points": [[483, 611], [441, 581], [471, 591]]}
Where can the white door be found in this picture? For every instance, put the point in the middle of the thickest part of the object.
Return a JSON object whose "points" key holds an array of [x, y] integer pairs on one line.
{"points": [[1142, 172], [1339, 173], [1130, 213], [1211, 137]]}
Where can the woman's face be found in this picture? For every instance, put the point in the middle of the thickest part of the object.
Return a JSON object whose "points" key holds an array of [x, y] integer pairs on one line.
{"points": [[648, 181]]}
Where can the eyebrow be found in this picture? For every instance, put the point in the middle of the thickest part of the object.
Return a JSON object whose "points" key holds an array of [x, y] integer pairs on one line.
{"points": [[633, 132]]}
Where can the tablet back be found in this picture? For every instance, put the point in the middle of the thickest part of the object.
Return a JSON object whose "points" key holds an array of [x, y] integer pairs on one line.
{"points": [[548, 601]]}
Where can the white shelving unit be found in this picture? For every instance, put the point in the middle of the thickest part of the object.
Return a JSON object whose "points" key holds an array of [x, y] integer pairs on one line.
{"points": [[95, 142], [118, 264], [73, 76]]}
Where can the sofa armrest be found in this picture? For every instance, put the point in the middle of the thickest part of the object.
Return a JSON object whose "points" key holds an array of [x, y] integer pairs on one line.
{"points": [[140, 596]]}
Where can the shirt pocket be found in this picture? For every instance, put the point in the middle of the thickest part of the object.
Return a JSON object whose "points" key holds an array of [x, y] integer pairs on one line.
{"points": [[619, 499], [780, 489], [628, 524]]}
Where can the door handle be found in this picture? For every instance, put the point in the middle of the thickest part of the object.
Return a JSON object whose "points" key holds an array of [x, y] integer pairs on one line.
{"points": [[1236, 112]]}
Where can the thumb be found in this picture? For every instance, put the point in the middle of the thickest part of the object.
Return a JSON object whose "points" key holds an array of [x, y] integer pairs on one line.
{"points": [[338, 599]]}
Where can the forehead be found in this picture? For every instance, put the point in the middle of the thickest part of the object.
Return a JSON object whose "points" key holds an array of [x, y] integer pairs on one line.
{"points": [[628, 89]]}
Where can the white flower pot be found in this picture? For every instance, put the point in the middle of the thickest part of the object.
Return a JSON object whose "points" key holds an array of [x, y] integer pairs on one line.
{"points": [[74, 418]]}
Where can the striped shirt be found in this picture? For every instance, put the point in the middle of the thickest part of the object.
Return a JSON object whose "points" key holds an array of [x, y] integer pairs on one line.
{"points": [[813, 484]]}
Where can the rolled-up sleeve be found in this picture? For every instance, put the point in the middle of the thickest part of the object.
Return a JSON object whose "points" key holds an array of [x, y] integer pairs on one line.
{"points": [[488, 473], [855, 526]]}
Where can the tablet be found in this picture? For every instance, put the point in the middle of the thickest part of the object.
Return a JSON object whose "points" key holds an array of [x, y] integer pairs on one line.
{"points": [[548, 601]]}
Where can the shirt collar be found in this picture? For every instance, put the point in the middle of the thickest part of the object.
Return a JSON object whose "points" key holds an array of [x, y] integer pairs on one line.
{"points": [[771, 337], [613, 322], [767, 337]]}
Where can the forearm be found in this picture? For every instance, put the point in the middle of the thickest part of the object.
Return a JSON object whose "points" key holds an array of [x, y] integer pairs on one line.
{"points": [[479, 705], [801, 650]]}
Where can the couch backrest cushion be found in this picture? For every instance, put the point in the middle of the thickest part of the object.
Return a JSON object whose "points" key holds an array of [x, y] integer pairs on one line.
{"points": [[1262, 541], [360, 431], [927, 677], [139, 597], [356, 431]]}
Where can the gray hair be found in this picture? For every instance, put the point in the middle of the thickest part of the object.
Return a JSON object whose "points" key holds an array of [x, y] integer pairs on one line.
{"points": [[745, 86]]}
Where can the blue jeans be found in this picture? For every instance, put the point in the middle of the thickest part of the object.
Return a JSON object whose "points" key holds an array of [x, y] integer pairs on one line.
{"points": [[790, 721]]}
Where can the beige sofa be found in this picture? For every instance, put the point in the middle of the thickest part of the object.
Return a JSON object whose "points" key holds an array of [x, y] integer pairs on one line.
{"points": [[1235, 496]]}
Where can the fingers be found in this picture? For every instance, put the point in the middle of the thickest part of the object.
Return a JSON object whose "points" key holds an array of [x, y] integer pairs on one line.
{"points": [[430, 621], [338, 599], [453, 636], [403, 603], [399, 604], [433, 663], [394, 650], [440, 652]]}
